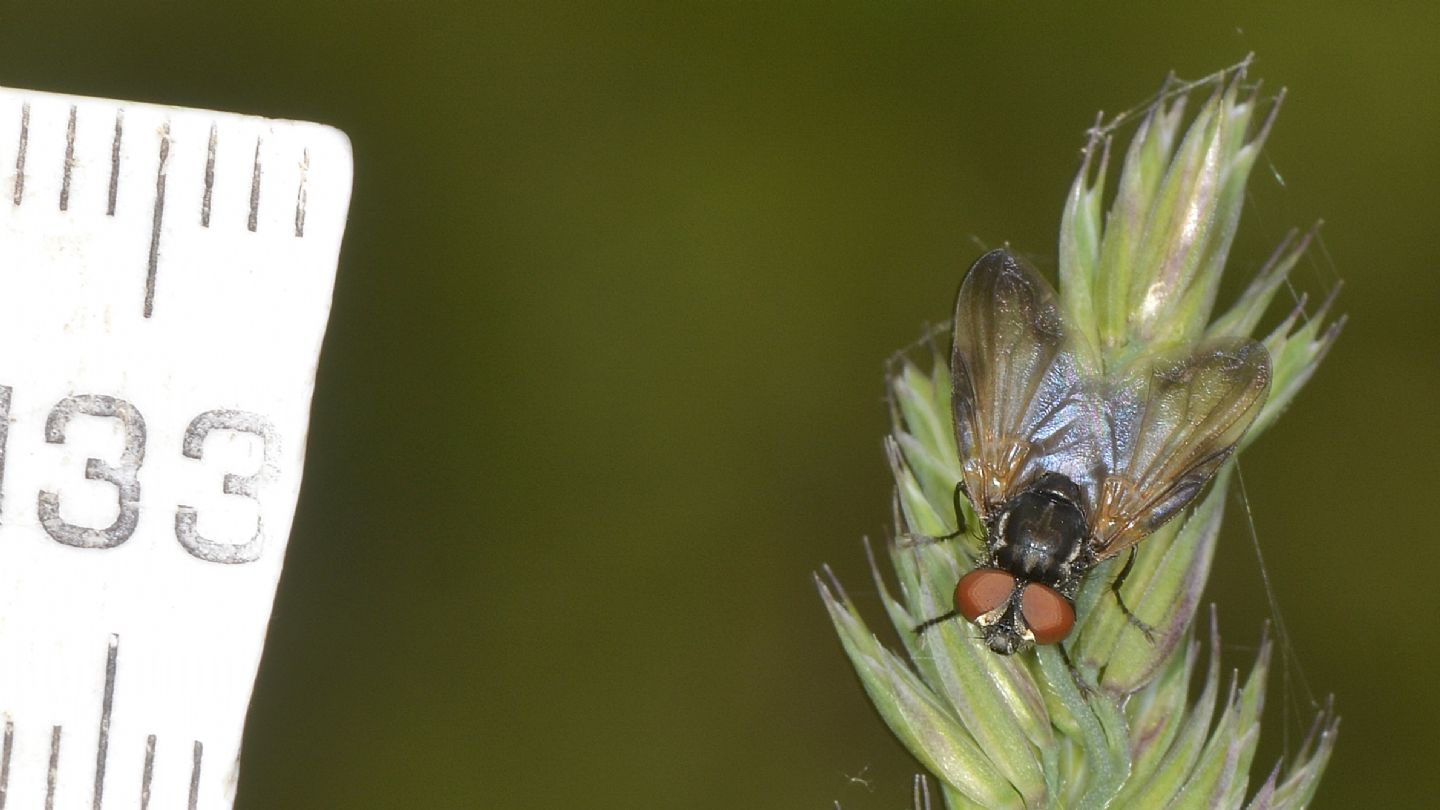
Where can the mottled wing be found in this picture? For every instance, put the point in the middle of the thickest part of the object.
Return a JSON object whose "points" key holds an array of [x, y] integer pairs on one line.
{"points": [[1019, 377], [1171, 426]]}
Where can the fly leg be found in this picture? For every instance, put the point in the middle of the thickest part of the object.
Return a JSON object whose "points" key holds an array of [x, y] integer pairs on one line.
{"points": [[1086, 690], [959, 510], [1115, 589], [960, 523], [929, 623]]}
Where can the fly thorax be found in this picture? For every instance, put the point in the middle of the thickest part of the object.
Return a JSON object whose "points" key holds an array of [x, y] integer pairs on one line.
{"points": [[1038, 536]]}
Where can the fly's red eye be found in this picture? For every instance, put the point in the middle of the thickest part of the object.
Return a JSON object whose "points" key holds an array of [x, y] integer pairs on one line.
{"points": [[1049, 615], [981, 591]]}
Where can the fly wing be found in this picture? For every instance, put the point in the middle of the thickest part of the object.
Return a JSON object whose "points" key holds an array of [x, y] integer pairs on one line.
{"points": [[1018, 378], [1170, 428]]}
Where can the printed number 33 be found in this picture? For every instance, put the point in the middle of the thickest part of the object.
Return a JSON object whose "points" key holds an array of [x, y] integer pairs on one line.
{"points": [[125, 476]]}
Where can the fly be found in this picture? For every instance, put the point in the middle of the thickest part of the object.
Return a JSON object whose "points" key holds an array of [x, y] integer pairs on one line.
{"points": [[1067, 465]]}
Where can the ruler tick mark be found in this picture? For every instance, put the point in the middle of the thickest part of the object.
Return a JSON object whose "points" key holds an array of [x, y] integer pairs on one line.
{"points": [[69, 161], [115, 162], [5, 762], [255, 189], [209, 180], [156, 220], [20, 153], [102, 749], [146, 774], [195, 776], [4, 440], [54, 772], [300, 196]]}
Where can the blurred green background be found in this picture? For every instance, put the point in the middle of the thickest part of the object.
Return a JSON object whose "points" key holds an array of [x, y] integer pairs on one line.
{"points": [[603, 378]]}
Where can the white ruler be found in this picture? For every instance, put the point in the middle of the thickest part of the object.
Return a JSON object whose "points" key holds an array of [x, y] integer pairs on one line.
{"points": [[165, 278]]}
